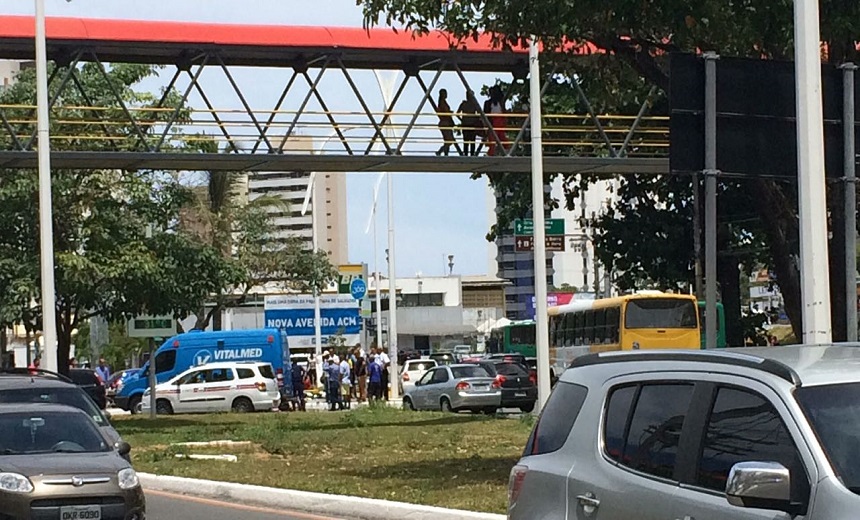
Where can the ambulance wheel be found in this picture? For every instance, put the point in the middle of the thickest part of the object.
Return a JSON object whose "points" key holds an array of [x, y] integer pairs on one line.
{"points": [[134, 405], [163, 407], [243, 405]]}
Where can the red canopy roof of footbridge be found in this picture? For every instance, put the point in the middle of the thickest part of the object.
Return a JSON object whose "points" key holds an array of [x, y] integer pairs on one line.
{"points": [[159, 42]]}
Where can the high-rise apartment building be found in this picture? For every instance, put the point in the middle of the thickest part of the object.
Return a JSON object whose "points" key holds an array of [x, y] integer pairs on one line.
{"points": [[291, 188]]}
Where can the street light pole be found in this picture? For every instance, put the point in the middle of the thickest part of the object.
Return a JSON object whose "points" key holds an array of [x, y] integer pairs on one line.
{"points": [[386, 89], [311, 197], [46, 226], [392, 295], [814, 270]]}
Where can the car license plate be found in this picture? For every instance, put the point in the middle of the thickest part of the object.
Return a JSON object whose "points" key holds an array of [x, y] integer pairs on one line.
{"points": [[520, 394], [81, 513]]}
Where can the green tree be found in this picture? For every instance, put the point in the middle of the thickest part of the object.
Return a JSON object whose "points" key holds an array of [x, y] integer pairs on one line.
{"points": [[119, 350], [117, 250], [243, 232], [635, 39]]}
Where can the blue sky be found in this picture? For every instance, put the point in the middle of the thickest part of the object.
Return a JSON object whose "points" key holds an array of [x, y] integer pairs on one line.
{"points": [[435, 214]]}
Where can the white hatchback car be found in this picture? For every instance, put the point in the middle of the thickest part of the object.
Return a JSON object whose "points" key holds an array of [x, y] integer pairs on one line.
{"points": [[412, 371], [247, 386]]}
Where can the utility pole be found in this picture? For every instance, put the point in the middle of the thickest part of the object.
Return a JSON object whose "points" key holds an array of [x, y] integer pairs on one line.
{"points": [[541, 319], [711, 199], [46, 224], [850, 197], [812, 199]]}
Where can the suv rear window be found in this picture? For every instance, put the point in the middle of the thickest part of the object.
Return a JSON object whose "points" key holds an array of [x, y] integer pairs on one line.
{"points": [[556, 419], [510, 369], [420, 365], [266, 371], [642, 431], [84, 377]]}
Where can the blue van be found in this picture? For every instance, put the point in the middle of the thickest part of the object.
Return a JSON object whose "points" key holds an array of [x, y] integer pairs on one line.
{"points": [[197, 347]]}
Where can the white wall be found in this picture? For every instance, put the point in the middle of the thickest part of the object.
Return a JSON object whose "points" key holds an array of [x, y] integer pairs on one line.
{"points": [[449, 286], [8, 69]]}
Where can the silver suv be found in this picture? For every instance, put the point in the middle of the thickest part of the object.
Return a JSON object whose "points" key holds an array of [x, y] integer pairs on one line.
{"points": [[758, 433]]}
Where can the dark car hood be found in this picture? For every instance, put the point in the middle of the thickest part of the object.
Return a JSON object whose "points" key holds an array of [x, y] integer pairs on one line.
{"points": [[61, 463]]}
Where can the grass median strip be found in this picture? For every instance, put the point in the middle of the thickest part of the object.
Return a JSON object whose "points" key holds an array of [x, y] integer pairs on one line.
{"points": [[457, 461]]}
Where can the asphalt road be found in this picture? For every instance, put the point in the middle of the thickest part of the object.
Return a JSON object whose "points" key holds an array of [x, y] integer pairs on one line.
{"points": [[167, 506]]}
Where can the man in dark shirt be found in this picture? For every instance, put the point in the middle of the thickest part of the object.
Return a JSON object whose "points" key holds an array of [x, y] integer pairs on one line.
{"points": [[297, 378], [374, 371]]}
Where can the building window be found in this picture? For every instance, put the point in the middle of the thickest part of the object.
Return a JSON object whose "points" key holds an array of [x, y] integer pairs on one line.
{"points": [[423, 300]]}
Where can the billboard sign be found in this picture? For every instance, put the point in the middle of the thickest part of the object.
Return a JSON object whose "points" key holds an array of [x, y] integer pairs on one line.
{"points": [[552, 299], [294, 314]]}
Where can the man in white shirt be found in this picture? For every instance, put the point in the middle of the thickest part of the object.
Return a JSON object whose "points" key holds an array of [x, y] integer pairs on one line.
{"points": [[345, 384], [385, 361]]}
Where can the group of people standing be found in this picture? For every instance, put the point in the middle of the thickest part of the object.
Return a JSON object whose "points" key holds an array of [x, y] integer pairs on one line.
{"points": [[471, 122], [354, 374]]}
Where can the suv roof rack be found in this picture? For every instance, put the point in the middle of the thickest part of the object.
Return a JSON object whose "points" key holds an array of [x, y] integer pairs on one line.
{"points": [[20, 371], [770, 366]]}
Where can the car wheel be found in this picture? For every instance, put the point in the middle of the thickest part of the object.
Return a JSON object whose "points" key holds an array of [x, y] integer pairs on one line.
{"points": [[243, 405], [408, 404], [529, 408], [163, 407], [446, 405], [134, 405]]}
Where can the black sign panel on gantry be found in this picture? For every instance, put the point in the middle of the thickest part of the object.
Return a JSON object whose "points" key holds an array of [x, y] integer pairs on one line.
{"points": [[756, 132]]}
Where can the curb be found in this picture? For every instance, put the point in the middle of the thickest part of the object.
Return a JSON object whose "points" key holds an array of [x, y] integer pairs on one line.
{"points": [[354, 508]]}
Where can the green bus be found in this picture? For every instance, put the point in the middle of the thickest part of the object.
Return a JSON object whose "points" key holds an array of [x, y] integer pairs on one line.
{"points": [[721, 325], [518, 337]]}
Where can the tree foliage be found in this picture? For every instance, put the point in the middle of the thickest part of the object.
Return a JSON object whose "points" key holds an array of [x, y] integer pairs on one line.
{"points": [[648, 236], [117, 252]]}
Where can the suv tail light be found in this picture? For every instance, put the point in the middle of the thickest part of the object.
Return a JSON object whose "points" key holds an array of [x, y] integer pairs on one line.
{"points": [[515, 484], [280, 377], [261, 386], [533, 377], [406, 376], [99, 379], [462, 385], [499, 381]]}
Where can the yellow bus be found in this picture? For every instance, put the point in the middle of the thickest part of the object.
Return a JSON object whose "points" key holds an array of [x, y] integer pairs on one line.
{"points": [[645, 320]]}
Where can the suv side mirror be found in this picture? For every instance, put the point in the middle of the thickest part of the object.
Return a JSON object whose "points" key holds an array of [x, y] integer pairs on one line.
{"points": [[122, 447], [760, 485]]}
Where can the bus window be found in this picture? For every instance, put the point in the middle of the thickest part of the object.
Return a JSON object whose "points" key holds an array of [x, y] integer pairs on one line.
{"points": [[660, 313], [576, 328], [588, 329], [523, 334], [612, 318], [566, 325], [599, 336]]}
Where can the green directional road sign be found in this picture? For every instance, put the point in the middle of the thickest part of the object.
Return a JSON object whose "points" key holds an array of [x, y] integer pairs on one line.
{"points": [[526, 226]]}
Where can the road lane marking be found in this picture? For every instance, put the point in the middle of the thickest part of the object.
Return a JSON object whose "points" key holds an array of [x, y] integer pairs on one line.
{"points": [[241, 507]]}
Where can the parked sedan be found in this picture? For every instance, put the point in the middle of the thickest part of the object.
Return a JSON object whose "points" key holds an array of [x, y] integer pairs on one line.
{"points": [[452, 388], [519, 387], [413, 370], [54, 463]]}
